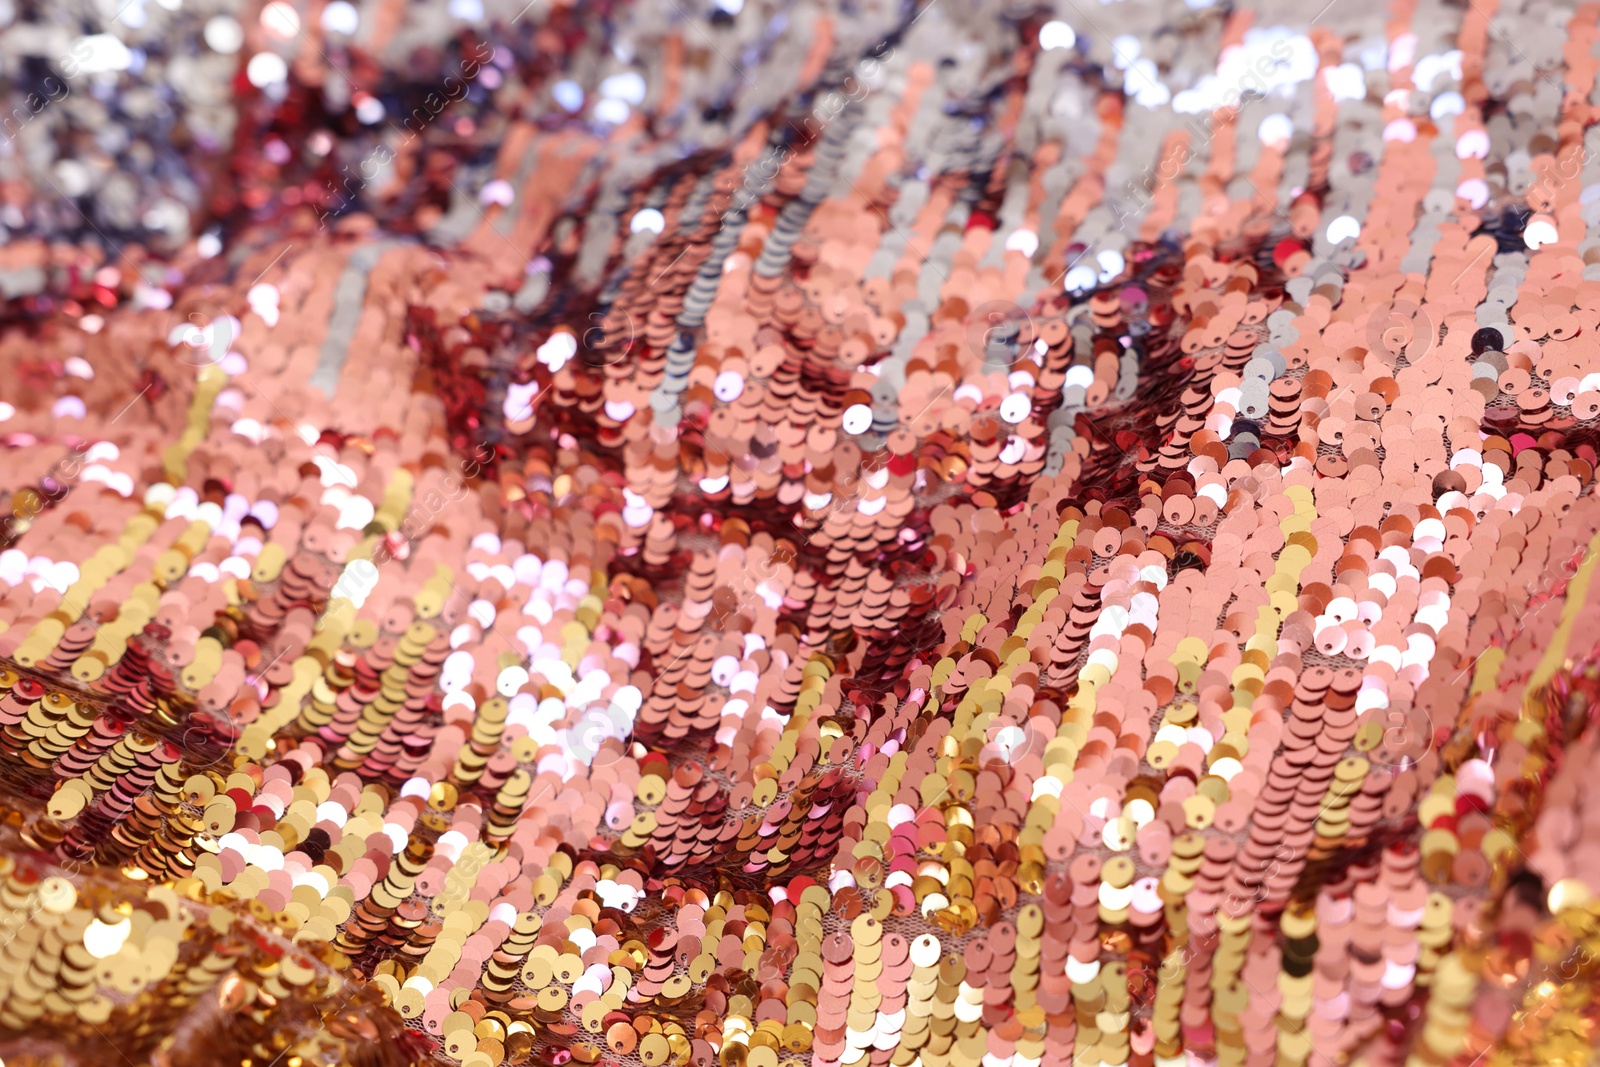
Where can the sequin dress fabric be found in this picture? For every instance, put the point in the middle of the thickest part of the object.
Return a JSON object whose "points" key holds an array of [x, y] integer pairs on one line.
{"points": [[760, 534]]}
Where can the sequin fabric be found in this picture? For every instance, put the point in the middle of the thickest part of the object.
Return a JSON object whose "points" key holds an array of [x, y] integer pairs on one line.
{"points": [[800, 535]]}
